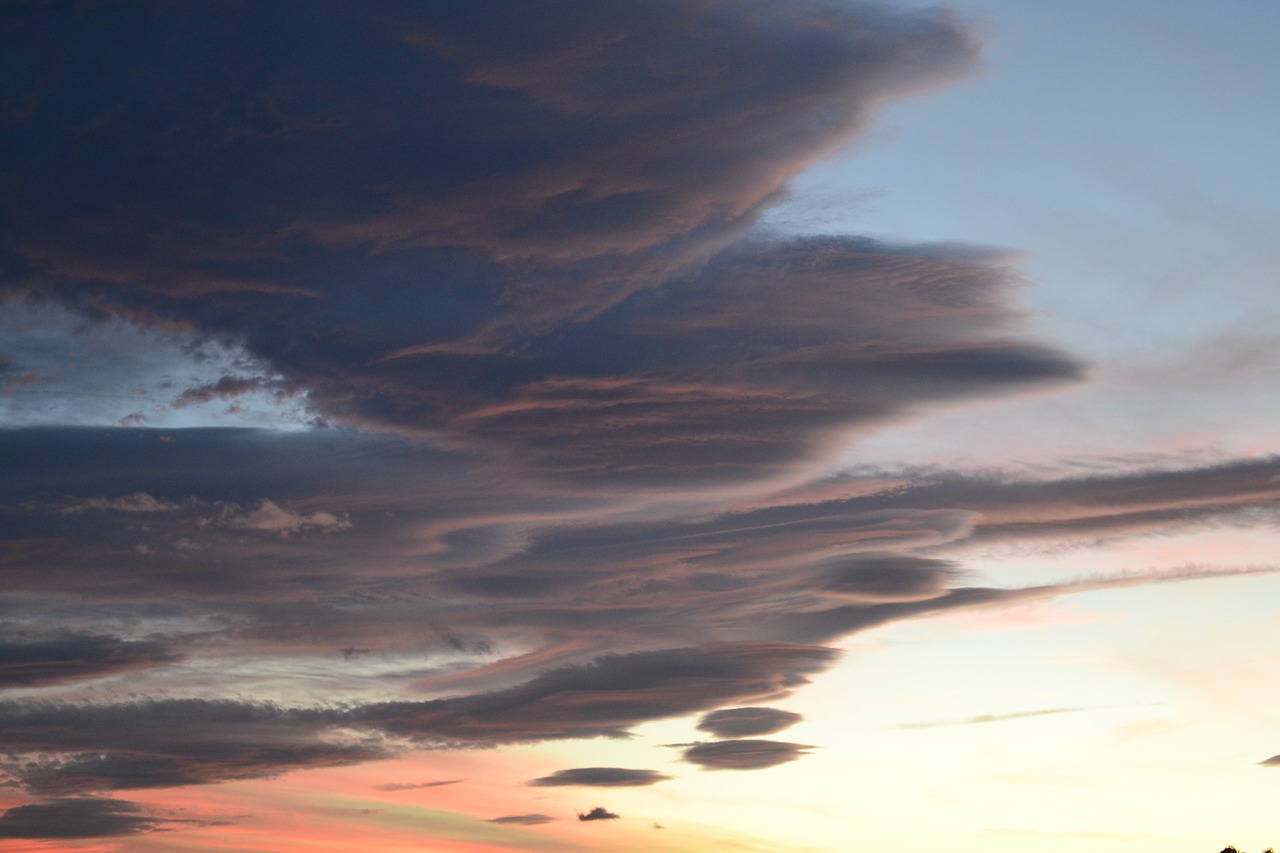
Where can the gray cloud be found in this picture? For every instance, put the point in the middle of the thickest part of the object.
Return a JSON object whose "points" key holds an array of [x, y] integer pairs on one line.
{"points": [[414, 786], [562, 207], [1273, 761], [70, 657], [609, 695], [64, 749], [598, 813], [567, 395], [888, 578], [743, 754], [599, 777], [523, 819], [78, 817], [747, 722]]}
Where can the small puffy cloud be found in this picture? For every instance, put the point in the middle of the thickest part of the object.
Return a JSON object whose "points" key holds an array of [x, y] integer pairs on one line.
{"points": [[76, 817], [599, 777], [598, 813], [136, 502], [522, 819], [270, 517], [743, 754], [747, 722]]}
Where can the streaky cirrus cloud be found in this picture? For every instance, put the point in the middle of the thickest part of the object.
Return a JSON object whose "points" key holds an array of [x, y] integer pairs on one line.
{"points": [[747, 722], [414, 786], [599, 777], [747, 754], [981, 719]]}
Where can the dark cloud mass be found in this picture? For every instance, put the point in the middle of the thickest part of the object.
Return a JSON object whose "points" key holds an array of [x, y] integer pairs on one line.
{"points": [[598, 813], [570, 411], [76, 817], [71, 657], [599, 777], [504, 194], [609, 695], [747, 722], [743, 754], [65, 749]]}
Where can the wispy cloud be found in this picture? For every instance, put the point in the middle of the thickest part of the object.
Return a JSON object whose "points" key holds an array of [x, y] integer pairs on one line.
{"points": [[999, 718]]}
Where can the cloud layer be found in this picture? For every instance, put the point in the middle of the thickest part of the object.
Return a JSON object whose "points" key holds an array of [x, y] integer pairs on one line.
{"points": [[574, 414]]}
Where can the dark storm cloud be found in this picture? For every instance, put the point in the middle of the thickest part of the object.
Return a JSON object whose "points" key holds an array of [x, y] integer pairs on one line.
{"points": [[553, 130], [523, 819], [747, 722], [743, 754], [76, 817], [598, 813], [503, 194], [72, 657], [599, 777]]}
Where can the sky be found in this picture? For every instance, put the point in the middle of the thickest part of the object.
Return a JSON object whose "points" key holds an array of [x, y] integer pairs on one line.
{"points": [[639, 426]]}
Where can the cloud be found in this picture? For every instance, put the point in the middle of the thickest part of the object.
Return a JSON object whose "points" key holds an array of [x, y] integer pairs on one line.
{"points": [[598, 813], [70, 657], [79, 817], [607, 696], [523, 819], [887, 578], [743, 754], [228, 388], [599, 777], [562, 207], [1273, 761], [998, 718], [136, 502], [63, 749], [747, 722], [269, 517], [414, 786], [570, 400]]}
